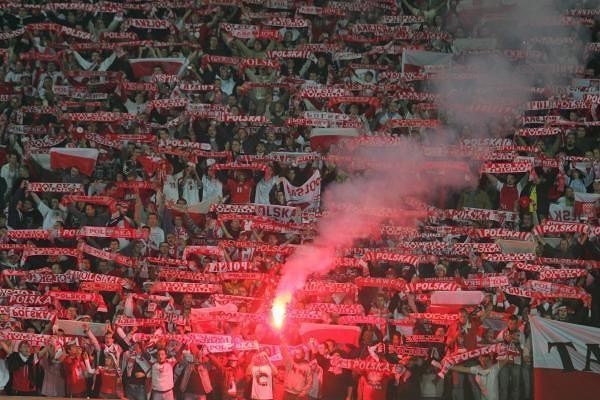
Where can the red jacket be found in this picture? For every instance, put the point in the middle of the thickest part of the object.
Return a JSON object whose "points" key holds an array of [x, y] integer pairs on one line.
{"points": [[75, 376]]}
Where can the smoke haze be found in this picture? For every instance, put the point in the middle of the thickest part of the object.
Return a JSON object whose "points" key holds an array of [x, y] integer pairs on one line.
{"points": [[494, 81]]}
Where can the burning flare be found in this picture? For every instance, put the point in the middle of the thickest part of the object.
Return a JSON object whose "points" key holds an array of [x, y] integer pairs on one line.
{"points": [[279, 309]]}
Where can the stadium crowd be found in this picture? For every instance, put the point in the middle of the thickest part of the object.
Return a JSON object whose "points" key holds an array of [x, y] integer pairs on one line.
{"points": [[161, 161]]}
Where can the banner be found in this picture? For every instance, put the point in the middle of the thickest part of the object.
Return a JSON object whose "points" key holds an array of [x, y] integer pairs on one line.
{"points": [[565, 359], [307, 196], [587, 204]]}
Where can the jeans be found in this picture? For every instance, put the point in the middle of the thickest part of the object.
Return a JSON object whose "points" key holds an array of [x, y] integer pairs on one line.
{"points": [[135, 392], [510, 382], [526, 380], [163, 395], [458, 387]]}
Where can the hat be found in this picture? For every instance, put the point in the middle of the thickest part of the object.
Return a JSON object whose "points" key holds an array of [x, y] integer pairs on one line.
{"points": [[210, 162]]}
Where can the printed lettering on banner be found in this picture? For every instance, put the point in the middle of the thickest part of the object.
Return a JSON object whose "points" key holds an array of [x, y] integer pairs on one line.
{"points": [[561, 212], [307, 196]]}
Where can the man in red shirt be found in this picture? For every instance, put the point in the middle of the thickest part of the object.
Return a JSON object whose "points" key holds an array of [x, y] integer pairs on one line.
{"points": [[509, 191], [240, 188]]}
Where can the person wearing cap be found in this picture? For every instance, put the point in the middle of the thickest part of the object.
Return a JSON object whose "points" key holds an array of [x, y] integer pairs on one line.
{"points": [[561, 313], [578, 180]]}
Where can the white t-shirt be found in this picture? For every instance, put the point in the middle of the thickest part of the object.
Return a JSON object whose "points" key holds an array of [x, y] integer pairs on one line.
{"points": [[9, 175], [171, 187], [262, 383], [4, 374], [191, 191], [156, 237], [50, 215], [263, 188], [162, 377], [212, 189], [487, 379]]}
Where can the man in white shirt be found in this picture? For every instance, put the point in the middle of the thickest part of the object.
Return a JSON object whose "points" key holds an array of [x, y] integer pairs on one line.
{"points": [[212, 188], [14, 76], [54, 212], [162, 377], [487, 374], [157, 235], [97, 64], [510, 374], [264, 187], [10, 171]]}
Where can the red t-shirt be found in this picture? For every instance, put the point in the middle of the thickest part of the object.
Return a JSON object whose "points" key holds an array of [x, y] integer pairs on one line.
{"points": [[508, 196], [240, 192], [373, 386], [109, 380]]}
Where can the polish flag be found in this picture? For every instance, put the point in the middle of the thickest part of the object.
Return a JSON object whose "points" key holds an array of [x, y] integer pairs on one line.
{"points": [[416, 60], [322, 332], [565, 360], [145, 66], [453, 301], [67, 157], [322, 138]]}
